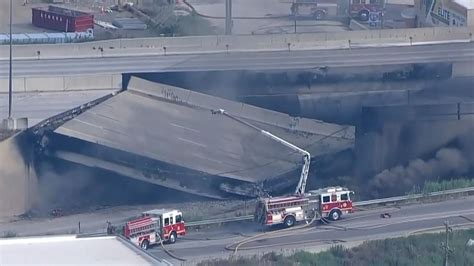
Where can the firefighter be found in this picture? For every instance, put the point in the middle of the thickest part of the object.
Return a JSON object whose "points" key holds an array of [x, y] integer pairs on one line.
{"points": [[110, 228]]}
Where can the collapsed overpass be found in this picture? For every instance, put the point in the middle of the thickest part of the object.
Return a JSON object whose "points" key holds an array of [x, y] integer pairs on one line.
{"points": [[168, 136]]}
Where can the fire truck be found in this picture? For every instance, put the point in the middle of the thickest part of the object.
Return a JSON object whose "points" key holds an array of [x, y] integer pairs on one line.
{"points": [[331, 203], [323, 203], [154, 226]]}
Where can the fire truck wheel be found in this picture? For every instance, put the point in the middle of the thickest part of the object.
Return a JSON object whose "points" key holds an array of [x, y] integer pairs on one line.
{"points": [[144, 245], [363, 15], [319, 15], [172, 239], [335, 215], [289, 221]]}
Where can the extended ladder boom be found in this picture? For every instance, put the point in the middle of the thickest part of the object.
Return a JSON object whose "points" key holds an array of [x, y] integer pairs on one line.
{"points": [[300, 188]]}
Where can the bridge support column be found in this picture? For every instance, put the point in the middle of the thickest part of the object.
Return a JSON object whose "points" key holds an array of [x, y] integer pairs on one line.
{"points": [[18, 182], [463, 69]]}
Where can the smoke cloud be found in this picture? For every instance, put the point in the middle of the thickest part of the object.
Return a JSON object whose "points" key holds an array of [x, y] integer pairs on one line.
{"points": [[17, 184], [61, 189], [447, 162]]}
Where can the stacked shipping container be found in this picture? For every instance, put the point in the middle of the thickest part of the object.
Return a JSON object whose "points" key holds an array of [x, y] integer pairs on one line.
{"points": [[62, 19]]}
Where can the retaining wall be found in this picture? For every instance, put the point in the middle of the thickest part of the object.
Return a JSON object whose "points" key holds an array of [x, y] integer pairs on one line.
{"points": [[212, 44], [63, 83]]}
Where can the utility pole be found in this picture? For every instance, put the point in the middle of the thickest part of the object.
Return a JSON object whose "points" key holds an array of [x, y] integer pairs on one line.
{"points": [[295, 23], [294, 9], [10, 69], [228, 17], [445, 245]]}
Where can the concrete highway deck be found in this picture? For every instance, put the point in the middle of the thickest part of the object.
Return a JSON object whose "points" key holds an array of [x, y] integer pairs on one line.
{"points": [[276, 60], [176, 126]]}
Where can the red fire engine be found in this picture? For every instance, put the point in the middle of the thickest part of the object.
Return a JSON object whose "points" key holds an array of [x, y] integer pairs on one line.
{"points": [[331, 202], [327, 202], [155, 226]]}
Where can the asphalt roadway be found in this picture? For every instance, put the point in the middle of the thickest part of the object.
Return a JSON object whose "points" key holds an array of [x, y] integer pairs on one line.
{"points": [[351, 230], [264, 60], [38, 106]]}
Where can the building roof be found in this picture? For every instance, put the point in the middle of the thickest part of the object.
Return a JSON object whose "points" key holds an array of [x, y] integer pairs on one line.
{"points": [[468, 4], [73, 250]]}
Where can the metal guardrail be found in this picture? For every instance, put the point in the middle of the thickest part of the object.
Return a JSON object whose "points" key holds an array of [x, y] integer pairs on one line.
{"points": [[356, 204], [222, 220], [413, 197]]}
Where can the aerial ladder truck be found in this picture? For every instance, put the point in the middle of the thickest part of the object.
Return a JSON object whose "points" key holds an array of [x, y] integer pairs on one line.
{"points": [[329, 202]]}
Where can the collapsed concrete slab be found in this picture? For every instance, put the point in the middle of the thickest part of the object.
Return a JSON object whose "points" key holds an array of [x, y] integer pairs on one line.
{"points": [[168, 136]]}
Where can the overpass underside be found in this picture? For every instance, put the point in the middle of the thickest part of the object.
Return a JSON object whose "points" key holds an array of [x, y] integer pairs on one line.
{"points": [[169, 137]]}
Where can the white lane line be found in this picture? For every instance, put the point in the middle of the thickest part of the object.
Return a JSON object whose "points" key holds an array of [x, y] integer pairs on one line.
{"points": [[192, 142], [187, 128], [206, 158]]}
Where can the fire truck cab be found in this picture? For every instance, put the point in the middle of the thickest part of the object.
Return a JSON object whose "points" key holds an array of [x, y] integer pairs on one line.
{"points": [[155, 226], [331, 202]]}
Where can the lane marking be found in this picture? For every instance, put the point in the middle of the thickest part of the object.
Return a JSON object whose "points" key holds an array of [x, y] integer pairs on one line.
{"points": [[187, 128], [206, 158], [192, 142]]}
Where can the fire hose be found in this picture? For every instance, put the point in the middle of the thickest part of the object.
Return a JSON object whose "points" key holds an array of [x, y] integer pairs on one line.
{"points": [[167, 251], [237, 245]]}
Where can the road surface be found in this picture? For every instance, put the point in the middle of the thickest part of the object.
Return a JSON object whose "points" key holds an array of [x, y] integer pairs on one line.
{"points": [[358, 227], [196, 246], [276, 60], [41, 105]]}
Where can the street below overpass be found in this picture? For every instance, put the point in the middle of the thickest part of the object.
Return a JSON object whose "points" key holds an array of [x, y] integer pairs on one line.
{"points": [[351, 230], [264, 60]]}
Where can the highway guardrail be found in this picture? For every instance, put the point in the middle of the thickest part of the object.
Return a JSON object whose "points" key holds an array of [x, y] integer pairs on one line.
{"points": [[413, 197], [392, 200], [218, 221]]}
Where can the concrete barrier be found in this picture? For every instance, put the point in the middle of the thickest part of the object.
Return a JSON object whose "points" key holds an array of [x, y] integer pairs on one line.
{"points": [[18, 85], [463, 69], [44, 84], [219, 44], [63, 83], [92, 82]]}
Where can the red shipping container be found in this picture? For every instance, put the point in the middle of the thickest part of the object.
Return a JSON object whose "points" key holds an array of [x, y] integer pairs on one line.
{"points": [[62, 19]]}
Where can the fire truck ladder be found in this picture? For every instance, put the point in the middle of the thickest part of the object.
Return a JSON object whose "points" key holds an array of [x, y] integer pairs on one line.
{"points": [[300, 188]]}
